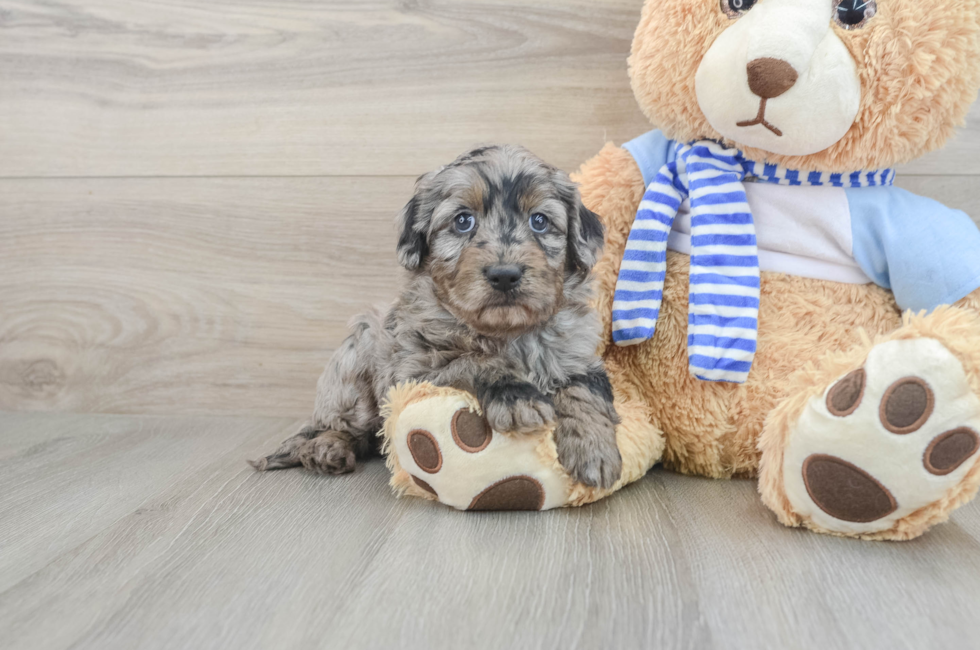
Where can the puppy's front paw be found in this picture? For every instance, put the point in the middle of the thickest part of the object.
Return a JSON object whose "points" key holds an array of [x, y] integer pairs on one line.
{"points": [[587, 450], [516, 407], [329, 453]]}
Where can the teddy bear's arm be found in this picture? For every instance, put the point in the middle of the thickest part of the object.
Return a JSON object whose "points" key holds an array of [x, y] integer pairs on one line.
{"points": [[612, 187], [922, 250]]}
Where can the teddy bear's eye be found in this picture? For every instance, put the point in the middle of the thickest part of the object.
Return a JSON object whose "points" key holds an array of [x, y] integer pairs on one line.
{"points": [[735, 8], [854, 14]]}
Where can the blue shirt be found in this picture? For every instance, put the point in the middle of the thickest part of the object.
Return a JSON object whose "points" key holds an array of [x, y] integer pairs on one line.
{"points": [[926, 253]]}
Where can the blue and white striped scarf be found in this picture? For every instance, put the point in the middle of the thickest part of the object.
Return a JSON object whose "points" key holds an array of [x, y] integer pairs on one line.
{"points": [[723, 312]]}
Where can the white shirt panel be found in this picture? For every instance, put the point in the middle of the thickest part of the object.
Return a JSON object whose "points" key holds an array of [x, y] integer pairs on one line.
{"points": [[800, 230]]}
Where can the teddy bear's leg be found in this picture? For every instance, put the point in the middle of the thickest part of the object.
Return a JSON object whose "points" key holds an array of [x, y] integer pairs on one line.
{"points": [[882, 441], [439, 446]]}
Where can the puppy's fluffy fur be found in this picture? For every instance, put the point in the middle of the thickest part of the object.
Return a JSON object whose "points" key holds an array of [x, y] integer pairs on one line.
{"points": [[527, 353]]}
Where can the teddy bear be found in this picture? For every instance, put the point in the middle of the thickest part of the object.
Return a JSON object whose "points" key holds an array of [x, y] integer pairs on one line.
{"points": [[774, 307]]}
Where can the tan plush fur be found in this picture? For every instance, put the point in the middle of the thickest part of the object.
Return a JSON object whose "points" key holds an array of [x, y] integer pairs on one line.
{"points": [[919, 66], [917, 62], [399, 397], [713, 427]]}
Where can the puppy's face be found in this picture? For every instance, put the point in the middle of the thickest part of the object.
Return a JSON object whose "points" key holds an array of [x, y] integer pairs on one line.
{"points": [[501, 234]]}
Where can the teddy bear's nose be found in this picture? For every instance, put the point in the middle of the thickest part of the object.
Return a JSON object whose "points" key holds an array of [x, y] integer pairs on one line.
{"points": [[770, 78]]}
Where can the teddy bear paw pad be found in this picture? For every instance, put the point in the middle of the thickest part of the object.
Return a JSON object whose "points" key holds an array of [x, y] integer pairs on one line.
{"points": [[514, 493], [449, 451], [885, 440], [425, 451]]}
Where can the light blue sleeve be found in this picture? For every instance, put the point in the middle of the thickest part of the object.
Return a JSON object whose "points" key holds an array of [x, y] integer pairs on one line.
{"points": [[926, 253], [651, 151]]}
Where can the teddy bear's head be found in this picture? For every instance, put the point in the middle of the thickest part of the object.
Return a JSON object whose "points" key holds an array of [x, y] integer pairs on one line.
{"points": [[826, 85]]}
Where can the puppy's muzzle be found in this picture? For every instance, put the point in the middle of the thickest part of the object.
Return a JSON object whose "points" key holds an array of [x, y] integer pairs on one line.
{"points": [[503, 278]]}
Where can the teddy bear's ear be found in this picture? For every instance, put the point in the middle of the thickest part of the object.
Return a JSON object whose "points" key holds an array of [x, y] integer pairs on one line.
{"points": [[585, 236], [413, 245]]}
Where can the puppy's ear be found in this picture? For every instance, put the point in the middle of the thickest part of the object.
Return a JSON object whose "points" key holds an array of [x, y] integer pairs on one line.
{"points": [[413, 246], [585, 236]]}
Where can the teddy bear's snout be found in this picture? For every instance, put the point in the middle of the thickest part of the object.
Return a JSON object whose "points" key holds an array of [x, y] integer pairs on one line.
{"points": [[769, 77]]}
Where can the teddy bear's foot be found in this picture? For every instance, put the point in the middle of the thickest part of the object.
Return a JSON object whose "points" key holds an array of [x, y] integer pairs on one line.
{"points": [[884, 452], [441, 447]]}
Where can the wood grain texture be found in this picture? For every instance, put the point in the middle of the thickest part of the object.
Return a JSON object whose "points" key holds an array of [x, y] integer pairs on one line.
{"points": [[960, 192], [194, 550], [186, 295], [235, 166], [304, 87], [194, 199], [150, 88], [220, 296]]}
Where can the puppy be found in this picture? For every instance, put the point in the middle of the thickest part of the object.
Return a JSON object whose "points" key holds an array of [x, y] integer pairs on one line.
{"points": [[499, 250]]}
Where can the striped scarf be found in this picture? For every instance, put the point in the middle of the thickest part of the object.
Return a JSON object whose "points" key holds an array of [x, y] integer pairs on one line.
{"points": [[723, 312]]}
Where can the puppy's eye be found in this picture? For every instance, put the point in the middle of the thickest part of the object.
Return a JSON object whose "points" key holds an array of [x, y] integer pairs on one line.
{"points": [[539, 222], [854, 14], [735, 8], [464, 222]]}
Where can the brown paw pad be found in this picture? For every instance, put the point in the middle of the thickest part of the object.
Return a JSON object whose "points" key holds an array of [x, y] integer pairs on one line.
{"points": [[425, 486], [844, 398], [845, 491], [950, 450], [470, 431], [907, 405], [514, 493], [425, 450]]}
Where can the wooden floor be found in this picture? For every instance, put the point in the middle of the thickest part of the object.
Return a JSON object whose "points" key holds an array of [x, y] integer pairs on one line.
{"points": [[195, 197], [151, 532]]}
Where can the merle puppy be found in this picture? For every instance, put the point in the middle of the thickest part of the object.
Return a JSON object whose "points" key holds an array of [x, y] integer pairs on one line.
{"points": [[499, 250]]}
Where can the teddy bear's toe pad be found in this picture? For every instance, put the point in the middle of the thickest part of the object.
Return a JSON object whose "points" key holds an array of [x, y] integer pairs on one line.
{"points": [[885, 440], [846, 491], [514, 493]]}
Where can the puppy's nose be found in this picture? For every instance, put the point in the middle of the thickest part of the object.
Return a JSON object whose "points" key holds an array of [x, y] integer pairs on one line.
{"points": [[503, 278], [770, 78]]}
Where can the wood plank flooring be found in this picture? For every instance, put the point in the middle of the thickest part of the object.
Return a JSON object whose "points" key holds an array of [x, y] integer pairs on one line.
{"points": [[202, 295], [194, 199], [137, 532], [258, 87], [186, 295], [303, 87]]}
